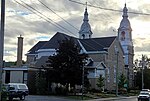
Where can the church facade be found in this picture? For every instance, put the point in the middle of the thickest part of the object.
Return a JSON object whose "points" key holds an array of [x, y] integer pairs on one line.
{"points": [[108, 56]]}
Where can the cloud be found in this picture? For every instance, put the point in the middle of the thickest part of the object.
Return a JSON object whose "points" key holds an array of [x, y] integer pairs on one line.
{"points": [[21, 21], [141, 44]]}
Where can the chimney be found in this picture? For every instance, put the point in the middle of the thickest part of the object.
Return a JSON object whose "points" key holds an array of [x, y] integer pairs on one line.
{"points": [[19, 51]]}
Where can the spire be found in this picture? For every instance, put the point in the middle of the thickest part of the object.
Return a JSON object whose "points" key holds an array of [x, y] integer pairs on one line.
{"points": [[125, 30], [125, 11], [86, 14], [125, 23], [85, 30]]}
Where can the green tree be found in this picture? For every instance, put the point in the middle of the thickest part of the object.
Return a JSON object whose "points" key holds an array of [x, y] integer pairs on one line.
{"points": [[143, 63], [122, 81], [146, 75], [100, 82], [66, 66]]}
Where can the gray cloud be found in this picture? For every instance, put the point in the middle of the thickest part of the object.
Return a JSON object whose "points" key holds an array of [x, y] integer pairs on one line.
{"points": [[141, 44], [19, 20]]}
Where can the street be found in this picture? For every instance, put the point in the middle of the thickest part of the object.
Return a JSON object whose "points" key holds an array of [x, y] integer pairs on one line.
{"points": [[55, 98], [130, 99], [45, 98]]}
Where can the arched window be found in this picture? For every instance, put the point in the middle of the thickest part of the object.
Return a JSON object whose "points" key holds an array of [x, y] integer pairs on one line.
{"points": [[89, 36], [83, 36]]}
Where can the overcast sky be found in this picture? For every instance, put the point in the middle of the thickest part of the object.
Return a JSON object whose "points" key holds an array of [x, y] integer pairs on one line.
{"points": [[35, 27]]}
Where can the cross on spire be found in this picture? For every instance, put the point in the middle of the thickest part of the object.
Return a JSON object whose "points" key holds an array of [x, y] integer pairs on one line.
{"points": [[86, 5]]}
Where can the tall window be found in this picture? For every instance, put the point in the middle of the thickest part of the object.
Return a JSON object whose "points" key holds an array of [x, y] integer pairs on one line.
{"points": [[114, 74], [108, 75]]}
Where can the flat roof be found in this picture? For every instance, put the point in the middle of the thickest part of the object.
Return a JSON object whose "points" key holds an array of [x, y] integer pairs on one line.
{"points": [[15, 68]]}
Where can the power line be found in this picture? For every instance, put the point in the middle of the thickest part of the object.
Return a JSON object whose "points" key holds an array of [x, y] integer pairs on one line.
{"points": [[65, 20], [45, 19], [57, 14], [114, 10], [54, 23], [38, 15], [48, 18], [105, 15]]}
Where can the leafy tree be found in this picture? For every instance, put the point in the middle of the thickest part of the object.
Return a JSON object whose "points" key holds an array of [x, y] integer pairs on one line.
{"points": [[122, 81], [100, 82], [146, 75], [41, 84], [66, 66], [138, 79], [143, 63]]}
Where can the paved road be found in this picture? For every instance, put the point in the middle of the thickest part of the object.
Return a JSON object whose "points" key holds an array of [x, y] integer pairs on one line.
{"points": [[54, 98], [45, 98], [131, 99]]}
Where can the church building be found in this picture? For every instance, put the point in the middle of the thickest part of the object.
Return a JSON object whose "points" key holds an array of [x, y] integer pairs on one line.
{"points": [[107, 55]]}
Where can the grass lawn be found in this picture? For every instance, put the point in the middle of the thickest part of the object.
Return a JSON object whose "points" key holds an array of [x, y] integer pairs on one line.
{"points": [[104, 95], [79, 97], [91, 96]]}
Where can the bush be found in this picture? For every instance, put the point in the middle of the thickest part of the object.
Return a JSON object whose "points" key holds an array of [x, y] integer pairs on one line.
{"points": [[4, 94], [41, 87], [94, 91], [61, 90], [122, 91]]}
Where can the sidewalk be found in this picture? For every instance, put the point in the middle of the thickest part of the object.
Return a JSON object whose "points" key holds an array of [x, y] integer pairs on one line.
{"points": [[112, 98]]}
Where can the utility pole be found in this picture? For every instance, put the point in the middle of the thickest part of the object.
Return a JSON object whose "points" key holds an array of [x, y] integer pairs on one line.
{"points": [[143, 64], [83, 79], [117, 75], [2, 43]]}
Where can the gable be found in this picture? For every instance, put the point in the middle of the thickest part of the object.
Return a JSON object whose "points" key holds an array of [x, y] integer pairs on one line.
{"points": [[53, 43], [36, 47]]}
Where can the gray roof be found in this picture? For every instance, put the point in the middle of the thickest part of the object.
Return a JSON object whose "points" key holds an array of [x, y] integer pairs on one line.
{"points": [[92, 44], [36, 47], [97, 44], [16, 68], [53, 43]]}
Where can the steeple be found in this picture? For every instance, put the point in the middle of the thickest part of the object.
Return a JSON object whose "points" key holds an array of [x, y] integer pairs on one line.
{"points": [[125, 38], [125, 23], [86, 14], [125, 30], [125, 10], [85, 30]]}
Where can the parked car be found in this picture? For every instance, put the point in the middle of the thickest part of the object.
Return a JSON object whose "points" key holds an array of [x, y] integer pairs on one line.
{"points": [[16, 90], [144, 96], [146, 90]]}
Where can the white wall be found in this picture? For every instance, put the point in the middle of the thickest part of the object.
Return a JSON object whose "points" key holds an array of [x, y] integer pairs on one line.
{"points": [[45, 52], [16, 76]]}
